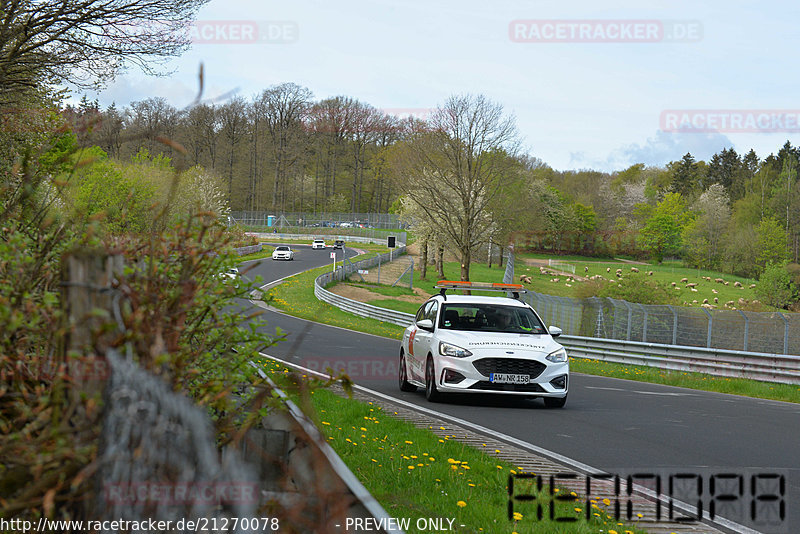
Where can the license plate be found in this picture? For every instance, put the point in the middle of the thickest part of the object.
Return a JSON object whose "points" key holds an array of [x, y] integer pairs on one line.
{"points": [[506, 378]]}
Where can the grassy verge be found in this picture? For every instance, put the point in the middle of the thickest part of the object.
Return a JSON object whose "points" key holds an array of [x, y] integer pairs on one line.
{"points": [[736, 386], [665, 273], [416, 474], [296, 297]]}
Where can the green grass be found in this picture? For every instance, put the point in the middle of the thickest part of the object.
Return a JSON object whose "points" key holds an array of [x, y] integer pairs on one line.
{"points": [[296, 297], [382, 289], [416, 474], [665, 273]]}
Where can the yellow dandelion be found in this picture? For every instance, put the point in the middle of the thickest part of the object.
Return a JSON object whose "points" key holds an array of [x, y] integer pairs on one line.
{"points": [[517, 516], [461, 504]]}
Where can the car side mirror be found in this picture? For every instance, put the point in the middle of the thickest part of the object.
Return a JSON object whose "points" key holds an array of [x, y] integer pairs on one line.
{"points": [[554, 331], [425, 324]]}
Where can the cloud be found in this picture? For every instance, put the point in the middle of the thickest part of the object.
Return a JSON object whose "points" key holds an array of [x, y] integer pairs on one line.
{"points": [[666, 147]]}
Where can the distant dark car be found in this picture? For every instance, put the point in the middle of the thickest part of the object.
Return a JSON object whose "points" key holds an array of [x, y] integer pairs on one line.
{"points": [[338, 244]]}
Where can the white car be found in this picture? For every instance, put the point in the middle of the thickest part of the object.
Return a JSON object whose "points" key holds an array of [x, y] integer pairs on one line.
{"points": [[479, 344], [283, 252], [318, 243]]}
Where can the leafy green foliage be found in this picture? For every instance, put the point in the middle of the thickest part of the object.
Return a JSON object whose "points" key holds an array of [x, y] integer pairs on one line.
{"points": [[776, 287], [662, 231], [638, 289], [771, 242]]}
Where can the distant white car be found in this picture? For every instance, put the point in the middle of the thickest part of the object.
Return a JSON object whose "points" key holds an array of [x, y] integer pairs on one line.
{"points": [[318, 243], [475, 344], [282, 252], [232, 273]]}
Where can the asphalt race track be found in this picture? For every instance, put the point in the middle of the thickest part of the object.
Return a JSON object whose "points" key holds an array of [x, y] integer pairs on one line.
{"points": [[617, 426]]}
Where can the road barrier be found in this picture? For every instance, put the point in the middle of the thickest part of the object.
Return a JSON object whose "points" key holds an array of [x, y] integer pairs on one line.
{"points": [[761, 366]]}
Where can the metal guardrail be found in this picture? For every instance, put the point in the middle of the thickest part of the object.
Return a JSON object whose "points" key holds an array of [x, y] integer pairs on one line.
{"points": [[718, 362], [313, 465], [266, 236], [353, 306], [765, 367]]}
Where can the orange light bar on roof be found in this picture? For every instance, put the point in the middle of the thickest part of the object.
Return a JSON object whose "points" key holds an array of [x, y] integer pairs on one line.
{"points": [[453, 284]]}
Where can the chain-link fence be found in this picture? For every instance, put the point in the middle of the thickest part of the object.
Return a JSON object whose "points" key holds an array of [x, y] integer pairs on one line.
{"points": [[318, 220], [159, 458], [768, 332]]}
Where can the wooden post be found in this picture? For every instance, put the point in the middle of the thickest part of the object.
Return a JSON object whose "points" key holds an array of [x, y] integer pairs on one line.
{"points": [[88, 298]]}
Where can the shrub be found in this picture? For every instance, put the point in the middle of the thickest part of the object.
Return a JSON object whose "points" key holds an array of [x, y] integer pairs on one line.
{"points": [[775, 286], [638, 289]]}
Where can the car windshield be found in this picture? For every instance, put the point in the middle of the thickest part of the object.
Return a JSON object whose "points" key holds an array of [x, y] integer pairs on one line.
{"points": [[282, 249], [490, 318]]}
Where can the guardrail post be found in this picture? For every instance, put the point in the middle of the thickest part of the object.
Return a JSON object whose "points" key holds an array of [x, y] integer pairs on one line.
{"points": [[710, 322], [746, 328], [674, 325], [630, 320], [644, 324], [785, 333]]}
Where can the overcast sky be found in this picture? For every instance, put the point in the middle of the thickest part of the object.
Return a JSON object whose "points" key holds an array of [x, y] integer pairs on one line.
{"points": [[591, 86]]}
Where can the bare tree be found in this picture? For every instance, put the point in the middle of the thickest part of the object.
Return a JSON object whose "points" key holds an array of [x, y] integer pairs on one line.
{"points": [[87, 41], [150, 119], [233, 123], [456, 169], [286, 106], [199, 134], [329, 121]]}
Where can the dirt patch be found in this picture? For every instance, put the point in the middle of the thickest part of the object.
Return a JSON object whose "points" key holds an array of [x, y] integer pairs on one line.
{"points": [[364, 295]]}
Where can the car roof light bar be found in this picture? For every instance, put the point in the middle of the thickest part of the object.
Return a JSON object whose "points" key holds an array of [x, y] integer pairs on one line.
{"points": [[444, 285]]}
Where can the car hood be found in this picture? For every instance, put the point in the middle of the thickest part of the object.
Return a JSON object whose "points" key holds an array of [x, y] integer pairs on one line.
{"points": [[490, 341]]}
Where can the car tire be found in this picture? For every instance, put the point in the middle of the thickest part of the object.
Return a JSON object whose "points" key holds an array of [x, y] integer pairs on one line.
{"points": [[555, 402], [431, 393], [405, 385]]}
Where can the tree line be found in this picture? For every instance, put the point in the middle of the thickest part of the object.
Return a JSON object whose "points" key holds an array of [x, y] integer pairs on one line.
{"points": [[284, 151], [280, 150]]}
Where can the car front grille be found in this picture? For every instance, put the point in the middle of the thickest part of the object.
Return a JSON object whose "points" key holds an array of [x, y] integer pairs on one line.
{"points": [[514, 366], [524, 388]]}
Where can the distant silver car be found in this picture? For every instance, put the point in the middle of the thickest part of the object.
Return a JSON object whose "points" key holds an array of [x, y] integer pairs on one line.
{"points": [[318, 243], [283, 252]]}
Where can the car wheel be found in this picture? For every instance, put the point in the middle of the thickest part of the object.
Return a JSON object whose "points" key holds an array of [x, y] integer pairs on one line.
{"points": [[405, 385], [431, 393], [555, 402]]}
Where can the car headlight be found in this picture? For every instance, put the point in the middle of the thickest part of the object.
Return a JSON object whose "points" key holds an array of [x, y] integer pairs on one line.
{"points": [[446, 349], [559, 356]]}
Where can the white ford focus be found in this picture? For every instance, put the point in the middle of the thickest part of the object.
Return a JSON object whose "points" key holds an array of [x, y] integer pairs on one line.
{"points": [[477, 344]]}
